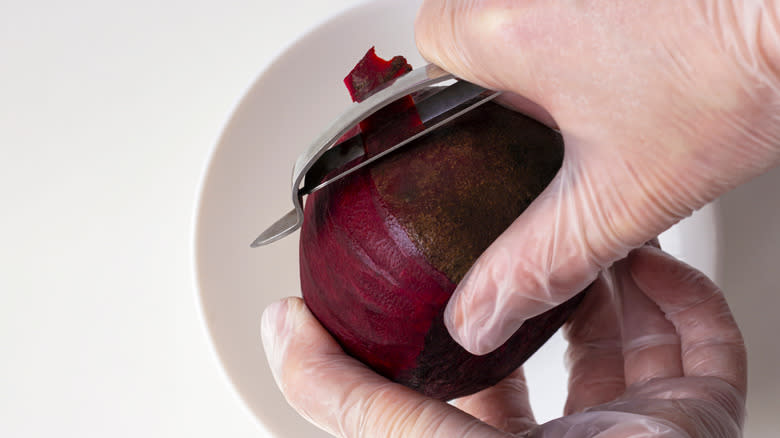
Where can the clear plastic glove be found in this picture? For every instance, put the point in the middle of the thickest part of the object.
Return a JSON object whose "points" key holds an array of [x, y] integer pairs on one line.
{"points": [[663, 105], [663, 358]]}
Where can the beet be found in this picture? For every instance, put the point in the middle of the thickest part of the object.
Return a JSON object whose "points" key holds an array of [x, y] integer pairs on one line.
{"points": [[382, 249]]}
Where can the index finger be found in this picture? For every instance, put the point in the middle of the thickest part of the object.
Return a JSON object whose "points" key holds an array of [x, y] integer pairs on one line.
{"points": [[711, 343]]}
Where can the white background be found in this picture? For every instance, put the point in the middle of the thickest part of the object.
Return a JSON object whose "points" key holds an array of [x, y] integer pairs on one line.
{"points": [[108, 111]]}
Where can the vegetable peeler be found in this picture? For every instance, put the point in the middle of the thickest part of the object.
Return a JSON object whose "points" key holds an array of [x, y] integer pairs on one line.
{"points": [[314, 168]]}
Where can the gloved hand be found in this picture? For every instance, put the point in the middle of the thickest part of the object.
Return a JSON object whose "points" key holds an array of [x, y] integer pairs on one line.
{"points": [[663, 105], [663, 358]]}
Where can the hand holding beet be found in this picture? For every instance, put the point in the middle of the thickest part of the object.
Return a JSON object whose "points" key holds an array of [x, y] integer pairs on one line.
{"points": [[663, 106], [667, 361]]}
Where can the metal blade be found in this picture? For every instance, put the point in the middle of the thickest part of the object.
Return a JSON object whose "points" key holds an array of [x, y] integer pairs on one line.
{"points": [[447, 104], [321, 158]]}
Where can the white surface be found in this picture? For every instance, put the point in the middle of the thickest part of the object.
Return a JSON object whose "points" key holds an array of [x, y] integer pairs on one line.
{"points": [[108, 112]]}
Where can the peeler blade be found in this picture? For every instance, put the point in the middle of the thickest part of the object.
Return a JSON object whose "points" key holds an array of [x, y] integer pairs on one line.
{"points": [[436, 108]]}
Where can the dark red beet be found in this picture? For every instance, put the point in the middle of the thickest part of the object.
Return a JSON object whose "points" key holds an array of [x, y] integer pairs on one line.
{"points": [[382, 250]]}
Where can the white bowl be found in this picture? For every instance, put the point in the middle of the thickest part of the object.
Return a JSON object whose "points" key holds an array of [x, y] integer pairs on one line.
{"points": [[247, 187]]}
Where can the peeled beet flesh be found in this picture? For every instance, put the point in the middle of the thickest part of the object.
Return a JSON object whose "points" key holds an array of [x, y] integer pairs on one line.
{"points": [[382, 250]]}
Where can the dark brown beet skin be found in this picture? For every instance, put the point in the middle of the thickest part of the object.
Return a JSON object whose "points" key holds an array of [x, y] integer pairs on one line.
{"points": [[382, 250]]}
